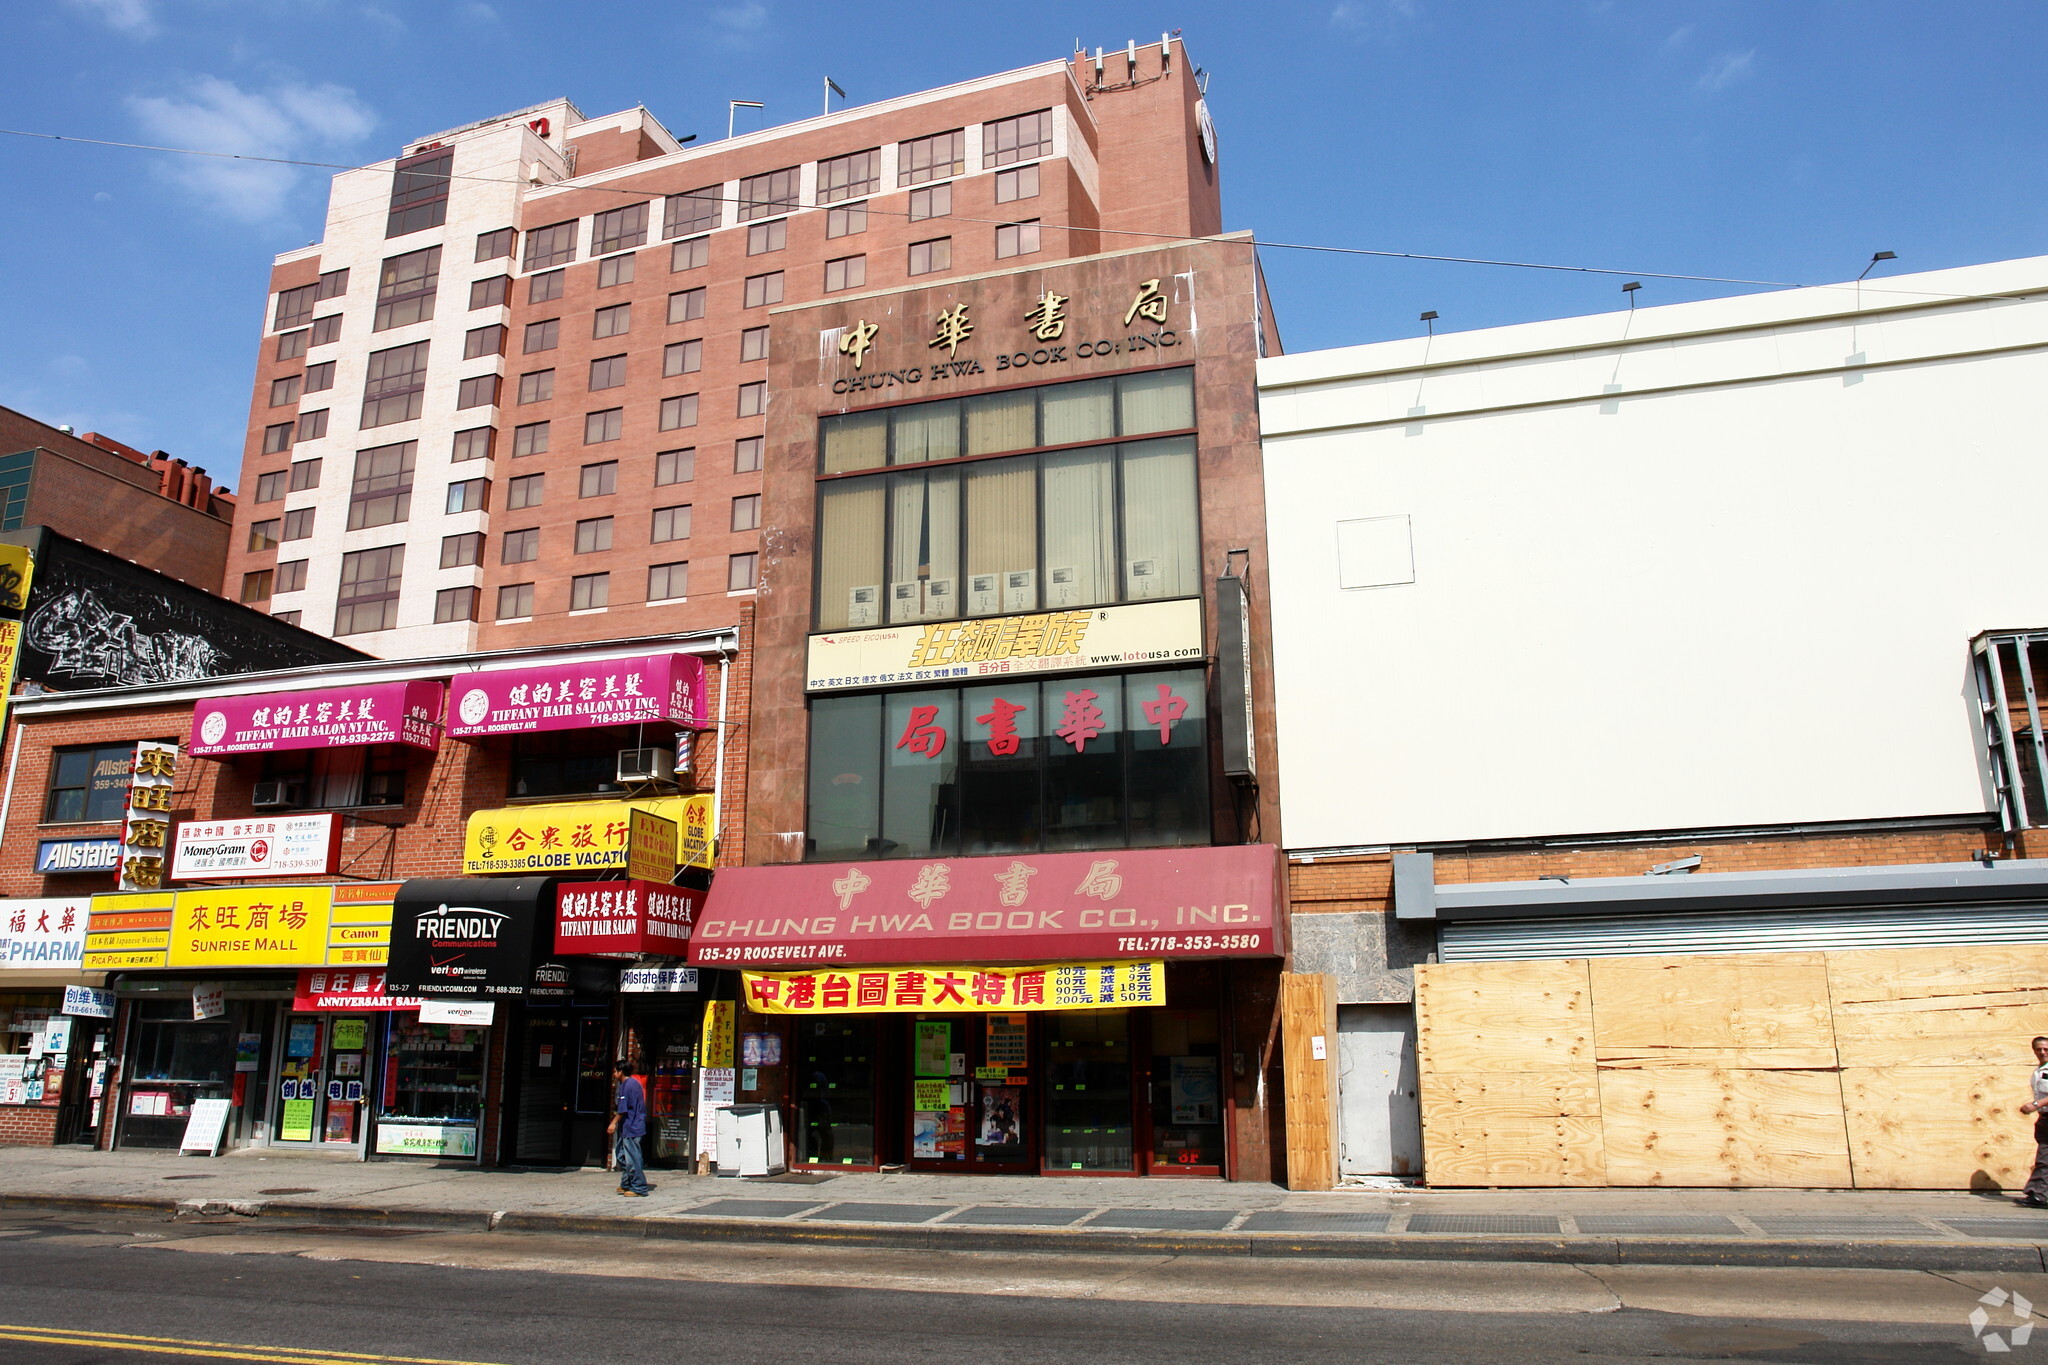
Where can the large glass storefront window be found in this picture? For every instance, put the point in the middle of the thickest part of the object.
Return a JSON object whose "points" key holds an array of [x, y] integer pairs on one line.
{"points": [[1104, 761], [1088, 1117], [174, 1060], [433, 1092], [834, 1090]]}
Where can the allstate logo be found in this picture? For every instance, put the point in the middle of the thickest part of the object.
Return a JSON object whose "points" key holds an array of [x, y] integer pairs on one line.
{"points": [[213, 728], [476, 704]]}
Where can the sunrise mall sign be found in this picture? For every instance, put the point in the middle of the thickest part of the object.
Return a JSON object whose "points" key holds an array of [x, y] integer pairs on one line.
{"points": [[1117, 903]]}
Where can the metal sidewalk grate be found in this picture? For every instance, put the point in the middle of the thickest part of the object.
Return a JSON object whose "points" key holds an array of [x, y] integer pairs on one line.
{"points": [[997, 1215], [1171, 1220], [1484, 1222], [751, 1208], [879, 1213], [1709, 1224], [1278, 1220]]}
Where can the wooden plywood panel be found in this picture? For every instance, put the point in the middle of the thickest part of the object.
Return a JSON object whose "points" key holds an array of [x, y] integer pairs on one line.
{"points": [[1967, 1006], [1723, 1126], [1740, 1012], [1944, 1128], [1512, 1128], [1308, 1024], [1503, 1016]]}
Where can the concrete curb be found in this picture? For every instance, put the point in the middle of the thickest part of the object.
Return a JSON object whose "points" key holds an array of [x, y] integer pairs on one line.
{"points": [[1834, 1255]]}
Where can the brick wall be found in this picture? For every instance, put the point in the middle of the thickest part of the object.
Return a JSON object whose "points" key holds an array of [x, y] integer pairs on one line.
{"points": [[27, 1125]]}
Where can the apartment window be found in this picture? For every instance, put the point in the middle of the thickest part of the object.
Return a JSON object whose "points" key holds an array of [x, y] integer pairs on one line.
{"points": [[551, 245], [590, 591], [931, 158], [616, 320], [682, 357], [742, 572], [270, 487], [593, 535], [763, 196], [515, 601], [1016, 239], [686, 305], [89, 784], [333, 284], [618, 229], [490, 246], [679, 412], [614, 270], [692, 212], [461, 551], [765, 237], [675, 466], [848, 272], [754, 344], [599, 479], [849, 176], [607, 372], [405, 289], [313, 425], [671, 523], [468, 495], [531, 439], [294, 307], [764, 289], [536, 386], [368, 599], [455, 604], [382, 491], [291, 576], [933, 201], [478, 391], [541, 336], [693, 254], [753, 399], [746, 512], [278, 437], [599, 427], [292, 345], [263, 535], [926, 257], [483, 341], [846, 220], [393, 387], [474, 444], [1023, 138], [290, 618], [668, 581], [524, 491], [320, 378], [490, 293], [305, 475], [1019, 182], [419, 193], [327, 330], [746, 454], [520, 547], [285, 390], [256, 586], [299, 525], [545, 288]]}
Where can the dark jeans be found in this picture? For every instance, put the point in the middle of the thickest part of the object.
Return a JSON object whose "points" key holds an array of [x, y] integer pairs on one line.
{"points": [[632, 1175]]}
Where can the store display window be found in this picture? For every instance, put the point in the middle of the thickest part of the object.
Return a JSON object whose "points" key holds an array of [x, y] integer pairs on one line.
{"points": [[1088, 1113], [432, 1098], [174, 1060], [835, 1091]]}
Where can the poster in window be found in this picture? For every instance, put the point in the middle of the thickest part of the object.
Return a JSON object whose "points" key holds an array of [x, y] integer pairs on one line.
{"points": [[934, 1048], [298, 1121], [929, 1097], [351, 1035], [924, 1134], [1002, 1109], [303, 1038], [760, 1049], [1195, 1090], [953, 1132], [1006, 1040]]}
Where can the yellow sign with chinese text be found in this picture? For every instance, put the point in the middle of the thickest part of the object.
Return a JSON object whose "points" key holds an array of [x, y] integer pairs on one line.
{"points": [[650, 847], [1133, 635], [719, 1018], [966, 990], [251, 926], [697, 839], [575, 836]]}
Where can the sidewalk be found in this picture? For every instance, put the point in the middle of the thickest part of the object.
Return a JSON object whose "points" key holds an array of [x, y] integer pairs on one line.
{"points": [[1947, 1230]]}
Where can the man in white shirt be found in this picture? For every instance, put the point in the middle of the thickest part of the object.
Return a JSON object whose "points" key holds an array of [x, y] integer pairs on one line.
{"points": [[2035, 1195]]}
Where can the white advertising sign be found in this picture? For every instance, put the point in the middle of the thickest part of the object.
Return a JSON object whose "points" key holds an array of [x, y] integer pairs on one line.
{"points": [[995, 646], [88, 1002], [43, 934], [457, 1012], [209, 1000], [426, 1139], [274, 846], [657, 980], [206, 1126]]}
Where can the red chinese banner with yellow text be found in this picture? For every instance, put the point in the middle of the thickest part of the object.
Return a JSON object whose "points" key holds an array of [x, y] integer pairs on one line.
{"points": [[905, 990]]}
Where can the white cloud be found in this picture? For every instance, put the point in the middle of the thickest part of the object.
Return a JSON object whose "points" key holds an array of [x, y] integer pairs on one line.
{"points": [[210, 114], [1678, 37], [1371, 18], [1727, 69], [480, 13], [132, 17], [741, 25], [103, 198]]}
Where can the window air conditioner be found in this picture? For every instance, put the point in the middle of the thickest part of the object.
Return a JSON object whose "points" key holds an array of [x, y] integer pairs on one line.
{"points": [[647, 765], [278, 795]]}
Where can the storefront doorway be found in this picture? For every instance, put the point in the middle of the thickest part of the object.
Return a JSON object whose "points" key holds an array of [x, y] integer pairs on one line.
{"points": [[322, 1072], [967, 1112], [564, 1072]]}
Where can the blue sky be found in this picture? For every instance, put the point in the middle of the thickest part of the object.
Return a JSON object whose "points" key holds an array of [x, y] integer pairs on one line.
{"points": [[1780, 140]]}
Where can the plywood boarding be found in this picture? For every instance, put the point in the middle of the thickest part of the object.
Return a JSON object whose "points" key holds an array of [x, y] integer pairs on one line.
{"points": [[1486, 1017], [1939, 1007], [1930, 1127], [1694, 1125], [1748, 1011], [1512, 1128], [1308, 1015]]}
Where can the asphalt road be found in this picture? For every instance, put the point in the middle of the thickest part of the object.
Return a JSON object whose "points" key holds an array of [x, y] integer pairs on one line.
{"points": [[123, 1289]]}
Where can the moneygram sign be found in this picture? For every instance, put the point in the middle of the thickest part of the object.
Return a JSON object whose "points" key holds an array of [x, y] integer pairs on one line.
{"points": [[282, 846]]}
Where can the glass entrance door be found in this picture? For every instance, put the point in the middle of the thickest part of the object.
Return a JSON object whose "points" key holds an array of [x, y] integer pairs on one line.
{"points": [[834, 1087], [321, 1074], [1090, 1118], [969, 1097]]}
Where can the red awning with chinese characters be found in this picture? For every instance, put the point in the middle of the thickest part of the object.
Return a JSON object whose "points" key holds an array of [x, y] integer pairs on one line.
{"points": [[1114, 903]]}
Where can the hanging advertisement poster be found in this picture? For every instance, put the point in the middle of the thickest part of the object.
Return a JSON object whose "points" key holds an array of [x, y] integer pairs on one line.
{"points": [[929, 1096], [718, 1032], [1197, 1096], [934, 1045], [1000, 1126], [297, 1125]]}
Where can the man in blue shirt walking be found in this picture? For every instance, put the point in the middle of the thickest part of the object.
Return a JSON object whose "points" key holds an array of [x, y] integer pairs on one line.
{"points": [[629, 1125]]}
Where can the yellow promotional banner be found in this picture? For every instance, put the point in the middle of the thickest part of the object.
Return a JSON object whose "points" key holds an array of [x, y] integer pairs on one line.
{"points": [[906, 990], [251, 926], [650, 847], [719, 1017], [10, 655], [698, 839], [128, 931]]}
